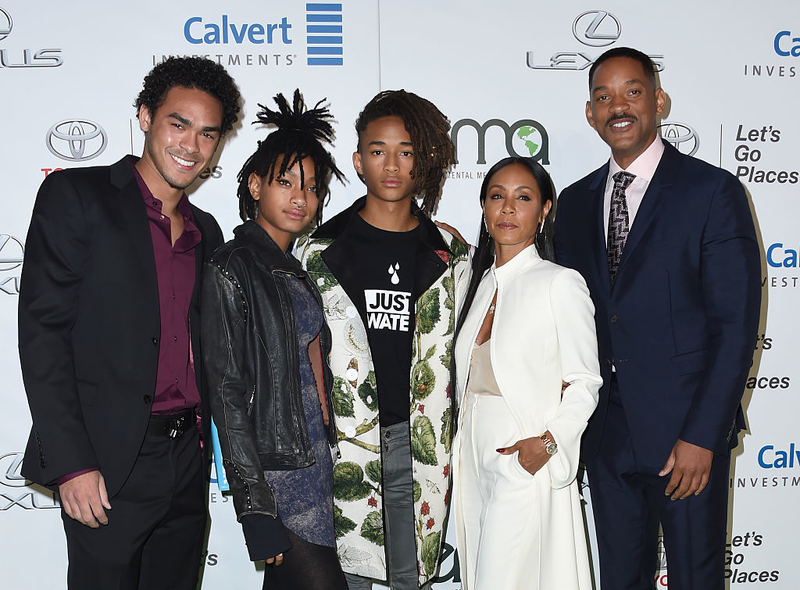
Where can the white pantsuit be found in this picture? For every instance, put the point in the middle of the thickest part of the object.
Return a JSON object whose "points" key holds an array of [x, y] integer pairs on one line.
{"points": [[515, 530]]}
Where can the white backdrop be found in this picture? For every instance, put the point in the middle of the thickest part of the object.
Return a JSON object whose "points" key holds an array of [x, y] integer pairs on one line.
{"points": [[512, 77]]}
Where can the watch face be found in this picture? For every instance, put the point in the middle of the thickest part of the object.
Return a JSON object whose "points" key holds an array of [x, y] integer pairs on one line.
{"points": [[551, 448]]}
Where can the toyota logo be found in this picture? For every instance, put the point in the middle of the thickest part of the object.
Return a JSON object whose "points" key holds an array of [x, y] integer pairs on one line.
{"points": [[596, 28], [76, 141], [6, 24], [682, 137], [10, 466]]}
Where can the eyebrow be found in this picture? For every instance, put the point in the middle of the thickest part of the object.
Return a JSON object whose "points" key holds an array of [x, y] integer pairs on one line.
{"points": [[188, 123], [530, 188], [627, 83], [381, 142]]}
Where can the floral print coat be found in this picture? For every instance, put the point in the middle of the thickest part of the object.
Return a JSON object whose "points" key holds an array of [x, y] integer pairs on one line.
{"points": [[357, 475]]}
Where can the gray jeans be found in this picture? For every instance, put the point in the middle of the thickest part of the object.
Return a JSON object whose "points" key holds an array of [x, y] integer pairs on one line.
{"points": [[398, 512]]}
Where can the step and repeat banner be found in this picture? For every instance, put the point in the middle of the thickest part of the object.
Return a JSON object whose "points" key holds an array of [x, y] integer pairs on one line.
{"points": [[512, 78]]}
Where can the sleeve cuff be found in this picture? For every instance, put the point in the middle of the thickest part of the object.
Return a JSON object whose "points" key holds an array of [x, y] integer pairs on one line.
{"points": [[265, 536]]}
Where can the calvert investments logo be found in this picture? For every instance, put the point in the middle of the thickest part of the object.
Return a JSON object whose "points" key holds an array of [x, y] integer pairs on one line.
{"points": [[681, 136], [76, 140], [14, 489], [786, 46], [324, 34], [26, 57], [593, 28], [11, 255]]}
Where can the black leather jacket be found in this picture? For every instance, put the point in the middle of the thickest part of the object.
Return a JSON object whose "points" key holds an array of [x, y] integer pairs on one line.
{"points": [[251, 360]]}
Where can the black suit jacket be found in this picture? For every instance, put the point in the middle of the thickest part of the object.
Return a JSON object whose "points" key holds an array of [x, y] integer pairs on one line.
{"points": [[89, 322], [680, 321]]}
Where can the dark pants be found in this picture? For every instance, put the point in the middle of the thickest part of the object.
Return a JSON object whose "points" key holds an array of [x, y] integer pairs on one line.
{"points": [[156, 526], [628, 503]]}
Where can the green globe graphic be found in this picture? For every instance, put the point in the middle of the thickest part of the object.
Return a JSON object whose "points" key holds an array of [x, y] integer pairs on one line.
{"points": [[527, 139]]}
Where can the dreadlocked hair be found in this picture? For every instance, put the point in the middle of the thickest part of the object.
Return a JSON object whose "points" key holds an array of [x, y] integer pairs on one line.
{"points": [[300, 134], [430, 138]]}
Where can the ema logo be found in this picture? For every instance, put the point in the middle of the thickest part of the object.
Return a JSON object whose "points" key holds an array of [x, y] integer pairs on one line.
{"points": [[682, 137], [324, 34], [525, 138], [785, 45], [76, 140]]}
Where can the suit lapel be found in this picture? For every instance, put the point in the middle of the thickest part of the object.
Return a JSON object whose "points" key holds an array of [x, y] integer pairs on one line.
{"points": [[653, 198], [598, 237], [130, 205]]}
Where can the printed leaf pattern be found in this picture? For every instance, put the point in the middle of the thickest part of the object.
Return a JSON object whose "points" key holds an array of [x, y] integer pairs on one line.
{"points": [[417, 491], [320, 272], [368, 392], [341, 524], [423, 441], [430, 552], [348, 482], [422, 380], [446, 437], [428, 311], [343, 398], [373, 470], [372, 527]]}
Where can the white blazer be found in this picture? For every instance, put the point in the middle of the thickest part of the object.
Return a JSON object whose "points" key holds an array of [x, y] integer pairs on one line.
{"points": [[543, 332]]}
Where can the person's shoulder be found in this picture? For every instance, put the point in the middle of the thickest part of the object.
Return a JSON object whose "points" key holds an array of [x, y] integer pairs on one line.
{"points": [[583, 185]]}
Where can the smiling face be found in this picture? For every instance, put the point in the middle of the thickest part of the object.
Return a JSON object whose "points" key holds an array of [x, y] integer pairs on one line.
{"points": [[181, 137], [513, 210], [385, 160], [623, 108], [286, 206]]}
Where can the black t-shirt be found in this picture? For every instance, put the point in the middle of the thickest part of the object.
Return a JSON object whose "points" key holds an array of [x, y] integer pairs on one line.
{"points": [[386, 262]]}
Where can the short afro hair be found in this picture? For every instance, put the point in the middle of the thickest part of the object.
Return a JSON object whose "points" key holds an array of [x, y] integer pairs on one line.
{"points": [[191, 72], [647, 64]]}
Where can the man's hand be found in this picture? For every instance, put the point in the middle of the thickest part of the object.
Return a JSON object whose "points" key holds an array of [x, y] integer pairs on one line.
{"points": [[84, 498], [690, 466], [532, 453]]}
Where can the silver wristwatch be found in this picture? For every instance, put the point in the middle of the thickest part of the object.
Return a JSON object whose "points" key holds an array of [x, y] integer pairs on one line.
{"points": [[549, 445]]}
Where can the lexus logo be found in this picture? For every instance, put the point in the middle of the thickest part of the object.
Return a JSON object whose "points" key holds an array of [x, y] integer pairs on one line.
{"points": [[6, 24], [11, 253], [76, 140], [10, 466], [596, 28], [682, 137]]}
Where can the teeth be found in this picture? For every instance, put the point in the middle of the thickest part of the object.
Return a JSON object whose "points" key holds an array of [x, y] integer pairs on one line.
{"points": [[183, 162], [621, 124]]}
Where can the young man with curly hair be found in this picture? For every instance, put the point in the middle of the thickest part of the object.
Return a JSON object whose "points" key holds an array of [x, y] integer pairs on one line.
{"points": [[108, 326], [387, 276]]}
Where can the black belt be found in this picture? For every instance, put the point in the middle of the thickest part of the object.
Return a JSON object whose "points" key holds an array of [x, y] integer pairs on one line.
{"points": [[172, 425]]}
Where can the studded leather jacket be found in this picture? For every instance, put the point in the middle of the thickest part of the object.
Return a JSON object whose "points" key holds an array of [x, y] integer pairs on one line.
{"points": [[250, 352]]}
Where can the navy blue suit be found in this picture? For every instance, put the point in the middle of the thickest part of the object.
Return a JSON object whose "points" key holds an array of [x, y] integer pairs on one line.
{"points": [[679, 326]]}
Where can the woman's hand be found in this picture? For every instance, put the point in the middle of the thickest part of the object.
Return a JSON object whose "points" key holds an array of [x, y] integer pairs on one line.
{"points": [[277, 560], [532, 453]]}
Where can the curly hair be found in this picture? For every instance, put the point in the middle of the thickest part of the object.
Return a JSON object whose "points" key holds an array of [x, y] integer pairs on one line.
{"points": [[300, 134], [430, 139], [191, 72], [647, 64]]}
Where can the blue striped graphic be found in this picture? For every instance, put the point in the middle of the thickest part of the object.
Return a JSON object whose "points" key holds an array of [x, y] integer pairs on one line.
{"points": [[324, 37]]}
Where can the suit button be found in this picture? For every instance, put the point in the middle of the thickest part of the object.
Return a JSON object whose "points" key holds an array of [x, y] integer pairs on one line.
{"points": [[613, 319], [147, 399], [155, 341]]}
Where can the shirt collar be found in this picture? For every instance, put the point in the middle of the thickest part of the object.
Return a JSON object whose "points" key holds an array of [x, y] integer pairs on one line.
{"points": [[645, 165]]}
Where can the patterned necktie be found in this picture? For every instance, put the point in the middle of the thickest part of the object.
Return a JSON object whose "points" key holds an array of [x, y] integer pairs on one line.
{"points": [[618, 225]]}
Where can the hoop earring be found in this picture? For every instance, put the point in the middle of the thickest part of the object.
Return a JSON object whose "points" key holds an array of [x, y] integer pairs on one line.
{"points": [[541, 227]]}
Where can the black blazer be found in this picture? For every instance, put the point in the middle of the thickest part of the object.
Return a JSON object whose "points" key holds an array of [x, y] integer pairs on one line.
{"points": [[89, 323], [680, 321]]}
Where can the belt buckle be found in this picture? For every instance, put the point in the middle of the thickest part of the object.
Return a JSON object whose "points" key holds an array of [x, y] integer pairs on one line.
{"points": [[177, 427]]}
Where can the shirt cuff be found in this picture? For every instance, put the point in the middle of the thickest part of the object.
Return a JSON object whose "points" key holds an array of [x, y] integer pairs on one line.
{"points": [[65, 478]]}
